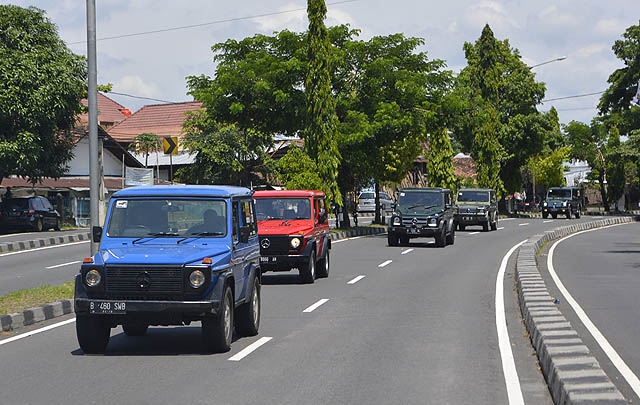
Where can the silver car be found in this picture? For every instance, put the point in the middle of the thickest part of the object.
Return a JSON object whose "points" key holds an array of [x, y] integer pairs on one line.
{"points": [[367, 201]]}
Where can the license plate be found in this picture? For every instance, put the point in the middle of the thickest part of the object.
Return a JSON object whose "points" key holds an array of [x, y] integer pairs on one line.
{"points": [[413, 230], [264, 259], [101, 307]]}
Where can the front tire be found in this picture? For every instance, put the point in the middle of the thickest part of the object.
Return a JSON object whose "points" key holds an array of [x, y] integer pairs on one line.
{"points": [[39, 226], [494, 224], [578, 213], [248, 320], [93, 334], [569, 213], [323, 266], [441, 240], [485, 226], [462, 227], [135, 329], [545, 215], [404, 240], [393, 239], [217, 331], [308, 274], [452, 236]]}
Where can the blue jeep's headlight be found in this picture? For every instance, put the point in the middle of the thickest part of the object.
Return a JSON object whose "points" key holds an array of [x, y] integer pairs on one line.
{"points": [[196, 278], [92, 278], [397, 221]]}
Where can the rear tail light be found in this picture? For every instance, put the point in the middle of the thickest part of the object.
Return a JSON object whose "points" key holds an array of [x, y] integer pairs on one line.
{"points": [[31, 212]]}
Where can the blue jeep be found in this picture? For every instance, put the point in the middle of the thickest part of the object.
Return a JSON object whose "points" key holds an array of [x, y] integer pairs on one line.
{"points": [[170, 255]]}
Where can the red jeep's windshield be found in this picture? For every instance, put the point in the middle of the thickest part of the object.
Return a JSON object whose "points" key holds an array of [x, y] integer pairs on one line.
{"points": [[283, 208]]}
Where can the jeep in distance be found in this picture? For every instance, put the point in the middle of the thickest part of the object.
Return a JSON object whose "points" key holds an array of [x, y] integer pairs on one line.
{"points": [[171, 255], [477, 206], [563, 200], [294, 232], [422, 212]]}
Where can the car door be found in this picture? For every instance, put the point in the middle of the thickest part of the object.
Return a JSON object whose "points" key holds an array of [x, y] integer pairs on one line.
{"points": [[49, 213], [247, 254]]}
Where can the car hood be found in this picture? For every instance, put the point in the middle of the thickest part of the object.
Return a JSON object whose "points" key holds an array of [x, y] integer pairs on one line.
{"points": [[162, 254], [280, 227]]}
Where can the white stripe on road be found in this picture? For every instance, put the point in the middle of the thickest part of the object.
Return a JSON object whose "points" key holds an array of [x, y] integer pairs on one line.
{"points": [[316, 305], [547, 221], [474, 233], [525, 224], [249, 349], [344, 240], [385, 263], [615, 358], [507, 219], [43, 248], [36, 331], [406, 251], [63, 264], [501, 228], [355, 280], [508, 364]]}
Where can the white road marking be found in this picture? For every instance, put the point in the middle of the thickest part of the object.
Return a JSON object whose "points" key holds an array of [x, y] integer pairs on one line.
{"points": [[404, 252], [501, 228], [514, 391], [615, 358], [385, 263], [43, 248], [474, 233], [63, 264], [250, 349], [547, 221], [524, 224], [355, 280], [316, 305], [36, 331], [506, 219], [344, 240]]}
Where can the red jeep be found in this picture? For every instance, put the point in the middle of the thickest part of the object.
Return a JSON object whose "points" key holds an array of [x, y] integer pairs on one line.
{"points": [[294, 232]]}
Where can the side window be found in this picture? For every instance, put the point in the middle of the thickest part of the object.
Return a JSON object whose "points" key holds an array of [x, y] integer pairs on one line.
{"points": [[322, 204], [36, 204], [234, 221], [46, 204], [316, 210], [247, 216]]}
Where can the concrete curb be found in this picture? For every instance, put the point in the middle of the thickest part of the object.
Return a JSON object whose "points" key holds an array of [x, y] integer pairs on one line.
{"points": [[572, 374], [42, 242], [63, 307]]}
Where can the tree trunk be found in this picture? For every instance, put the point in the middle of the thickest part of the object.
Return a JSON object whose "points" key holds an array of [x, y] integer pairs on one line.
{"points": [[346, 223], [603, 192], [377, 218]]}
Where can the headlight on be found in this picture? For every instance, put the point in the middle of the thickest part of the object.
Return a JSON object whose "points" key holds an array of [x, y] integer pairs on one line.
{"points": [[564, 203], [196, 279], [295, 243], [544, 204], [397, 221], [92, 278]]}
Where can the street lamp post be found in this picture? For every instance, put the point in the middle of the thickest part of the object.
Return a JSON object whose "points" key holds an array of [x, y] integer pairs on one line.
{"points": [[549, 61]]}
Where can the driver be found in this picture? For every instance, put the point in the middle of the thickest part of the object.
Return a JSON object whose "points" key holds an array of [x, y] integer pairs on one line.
{"points": [[211, 222]]}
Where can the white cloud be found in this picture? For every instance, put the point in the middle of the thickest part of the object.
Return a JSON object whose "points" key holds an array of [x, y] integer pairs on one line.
{"points": [[135, 85], [590, 50], [492, 13], [610, 26]]}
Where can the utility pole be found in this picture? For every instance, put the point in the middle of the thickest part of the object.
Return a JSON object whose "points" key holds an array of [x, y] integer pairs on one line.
{"points": [[94, 169]]}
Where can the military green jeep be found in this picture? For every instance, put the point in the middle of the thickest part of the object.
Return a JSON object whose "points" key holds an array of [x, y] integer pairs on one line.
{"points": [[477, 206]]}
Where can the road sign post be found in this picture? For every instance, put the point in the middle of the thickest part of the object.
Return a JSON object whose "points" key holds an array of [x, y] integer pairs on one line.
{"points": [[170, 144]]}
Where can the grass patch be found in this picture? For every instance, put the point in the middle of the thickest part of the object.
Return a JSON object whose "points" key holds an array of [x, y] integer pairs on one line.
{"points": [[33, 297]]}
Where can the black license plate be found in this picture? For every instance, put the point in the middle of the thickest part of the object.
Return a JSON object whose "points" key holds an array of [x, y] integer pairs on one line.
{"points": [[413, 231], [265, 259], [110, 308]]}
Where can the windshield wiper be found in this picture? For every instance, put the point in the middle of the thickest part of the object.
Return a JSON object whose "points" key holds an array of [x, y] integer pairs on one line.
{"points": [[425, 206], [196, 235], [155, 235]]}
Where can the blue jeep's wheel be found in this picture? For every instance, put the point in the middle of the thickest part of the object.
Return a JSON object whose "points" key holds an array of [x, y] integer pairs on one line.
{"points": [[217, 331]]}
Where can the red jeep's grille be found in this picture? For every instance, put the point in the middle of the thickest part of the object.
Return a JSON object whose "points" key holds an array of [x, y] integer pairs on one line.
{"points": [[274, 245]]}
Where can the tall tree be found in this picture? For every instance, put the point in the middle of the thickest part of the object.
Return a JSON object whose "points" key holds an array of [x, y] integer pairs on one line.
{"points": [[41, 85], [322, 123], [615, 167], [296, 170], [487, 153], [440, 162], [144, 144]]}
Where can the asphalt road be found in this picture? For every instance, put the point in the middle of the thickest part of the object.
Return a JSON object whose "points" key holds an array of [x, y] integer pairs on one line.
{"points": [[601, 271], [419, 329]]}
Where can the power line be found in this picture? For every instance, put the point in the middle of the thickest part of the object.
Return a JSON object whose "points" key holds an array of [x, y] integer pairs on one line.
{"points": [[140, 97], [576, 96], [183, 27]]}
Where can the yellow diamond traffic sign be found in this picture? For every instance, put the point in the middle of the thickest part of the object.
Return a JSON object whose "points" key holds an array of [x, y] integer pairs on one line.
{"points": [[170, 144]]}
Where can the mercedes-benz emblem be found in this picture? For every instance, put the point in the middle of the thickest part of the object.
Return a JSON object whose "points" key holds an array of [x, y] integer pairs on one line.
{"points": [[414, 221], [143, 281], [265, 243]]}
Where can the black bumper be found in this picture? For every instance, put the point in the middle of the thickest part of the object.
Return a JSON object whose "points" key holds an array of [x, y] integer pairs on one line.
{"points": [[471, 219], [82, 305], [556, 210], [415, 231]]}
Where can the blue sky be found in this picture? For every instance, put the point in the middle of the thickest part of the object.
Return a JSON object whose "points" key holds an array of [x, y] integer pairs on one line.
{"points": [[156, 65]]}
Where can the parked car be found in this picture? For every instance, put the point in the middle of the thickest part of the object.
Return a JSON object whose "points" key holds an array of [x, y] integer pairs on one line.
{"points": [[293, 227], [563, 200], [171, 255], [33, 213], [367, 201], [477, 206], [422, 212]]}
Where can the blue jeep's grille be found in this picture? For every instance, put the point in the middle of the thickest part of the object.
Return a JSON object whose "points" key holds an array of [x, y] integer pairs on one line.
{"points": [[144, 281]]}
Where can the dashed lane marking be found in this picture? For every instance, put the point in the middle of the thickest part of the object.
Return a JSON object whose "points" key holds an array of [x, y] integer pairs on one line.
{"points": [[63, 264], [36, 331], [356, 279], [474, 233], [385, 263], [547, 221], [316, 305], [501, 228], [525, 224], [250, 349], [404, 252]]}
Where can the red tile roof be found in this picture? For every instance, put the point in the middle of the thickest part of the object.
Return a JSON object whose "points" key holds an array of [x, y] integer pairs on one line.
{"points": [[109, 111], [465, 167], [159, 119]]}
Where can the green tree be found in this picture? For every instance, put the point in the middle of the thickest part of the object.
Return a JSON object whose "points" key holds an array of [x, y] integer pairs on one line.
{"points": [[615, 103], [41, 85], [297, 170], [440, 162], [549, 169], [225, 153], [488, 155], [322, 122], [615, 166], [144, 144]]}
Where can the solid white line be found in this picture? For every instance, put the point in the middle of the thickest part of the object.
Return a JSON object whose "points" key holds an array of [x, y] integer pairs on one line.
{"points": [[508, 364], [63, 264], [525, 224], [316, 305], [36, 331], [355, 280], [501, 228], [406, 251], [547, 221], [615, 358], [249, 349], [473, 233], [506, 219], [43, 248], [385, 263]]}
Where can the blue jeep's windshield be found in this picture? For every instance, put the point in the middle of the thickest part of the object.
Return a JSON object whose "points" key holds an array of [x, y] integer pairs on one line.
{"points": [[420, 200], [269, 209], [170, 218]]}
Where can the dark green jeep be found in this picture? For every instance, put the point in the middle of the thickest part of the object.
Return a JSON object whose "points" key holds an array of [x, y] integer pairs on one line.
{"points": [[563, 201], [477, 206], [422, 212]]}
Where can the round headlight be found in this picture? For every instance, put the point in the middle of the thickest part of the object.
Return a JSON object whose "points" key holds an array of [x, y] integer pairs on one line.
{"points": [[564, 203], [295, 243], [433, 220], [196, 278], [397, 220], [92, 278], [544, 204]]}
